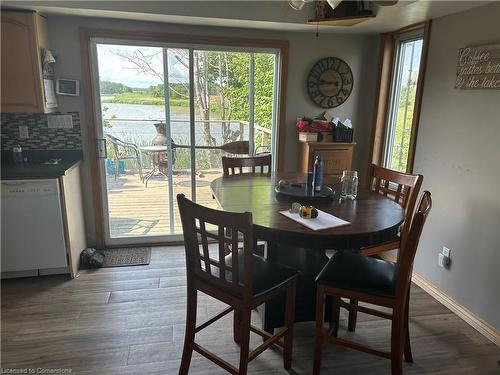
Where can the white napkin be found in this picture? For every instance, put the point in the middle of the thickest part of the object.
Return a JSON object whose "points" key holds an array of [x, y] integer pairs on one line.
{"points": [[323, 221]]}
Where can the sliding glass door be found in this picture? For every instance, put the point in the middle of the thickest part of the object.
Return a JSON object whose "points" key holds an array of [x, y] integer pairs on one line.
{"points": [[166, 113]]}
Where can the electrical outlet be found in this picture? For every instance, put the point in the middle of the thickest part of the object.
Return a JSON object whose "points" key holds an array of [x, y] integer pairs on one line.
{"points": [[60, 121], [441, 260], [23, 132], [444, 259]]}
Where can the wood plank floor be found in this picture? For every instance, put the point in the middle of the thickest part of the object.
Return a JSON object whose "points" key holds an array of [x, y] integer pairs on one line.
{"points": [[130, 320]]}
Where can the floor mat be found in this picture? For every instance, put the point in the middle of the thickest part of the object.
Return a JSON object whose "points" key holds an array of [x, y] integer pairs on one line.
{"points": [[127, 256]]}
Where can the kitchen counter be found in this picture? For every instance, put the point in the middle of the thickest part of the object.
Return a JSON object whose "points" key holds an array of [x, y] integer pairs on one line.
{"points": [[34, 169]]}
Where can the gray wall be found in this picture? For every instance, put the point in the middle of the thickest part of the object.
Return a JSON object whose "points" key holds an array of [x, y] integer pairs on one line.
{"points": [[360, 52], [458, 152]]}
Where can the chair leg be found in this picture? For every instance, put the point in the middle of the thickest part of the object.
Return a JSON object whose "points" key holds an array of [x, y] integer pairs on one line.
{"points": [[353, 316], [397, 344], [236, 326], [335, 316], [320, 316], [244, 340], [187, 352], [139, 164], [289, 322], [407, 349], [117, 164]]}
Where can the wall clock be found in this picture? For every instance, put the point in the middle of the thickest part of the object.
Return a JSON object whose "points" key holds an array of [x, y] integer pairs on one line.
{"points": [[329, 82]]}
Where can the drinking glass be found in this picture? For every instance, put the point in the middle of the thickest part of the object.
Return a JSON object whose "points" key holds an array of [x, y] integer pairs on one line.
{"points": [[349, 185]]}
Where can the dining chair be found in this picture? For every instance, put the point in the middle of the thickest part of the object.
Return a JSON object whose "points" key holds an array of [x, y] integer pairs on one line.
{"points": [[403, 188], [124, 151], [241, 280], [374, 281], [231, 165]]}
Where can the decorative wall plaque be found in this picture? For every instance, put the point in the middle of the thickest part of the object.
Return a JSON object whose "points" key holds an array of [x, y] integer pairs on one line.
{"points": [[478, 67]]}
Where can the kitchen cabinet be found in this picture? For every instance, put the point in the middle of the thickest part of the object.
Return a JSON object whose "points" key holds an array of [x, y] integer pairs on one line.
{"points": [[337, 157], [24, 34], [43, 229]]}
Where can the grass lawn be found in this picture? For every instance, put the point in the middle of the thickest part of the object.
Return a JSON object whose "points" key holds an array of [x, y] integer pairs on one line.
{"points": [[140, 98]]}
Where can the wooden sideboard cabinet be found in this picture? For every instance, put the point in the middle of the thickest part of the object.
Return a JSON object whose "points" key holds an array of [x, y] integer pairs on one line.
{"points": [[337, 157], [23, 36]]}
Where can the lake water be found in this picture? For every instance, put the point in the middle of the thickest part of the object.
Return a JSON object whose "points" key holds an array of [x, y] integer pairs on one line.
{"points": [[142, 132]]}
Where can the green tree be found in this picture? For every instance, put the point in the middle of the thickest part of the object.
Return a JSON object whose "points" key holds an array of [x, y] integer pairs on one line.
{"points": [[221, 87], [109, 87]]}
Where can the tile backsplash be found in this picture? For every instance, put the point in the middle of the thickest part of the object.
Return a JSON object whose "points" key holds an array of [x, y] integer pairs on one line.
{"points": [[41, 137]]}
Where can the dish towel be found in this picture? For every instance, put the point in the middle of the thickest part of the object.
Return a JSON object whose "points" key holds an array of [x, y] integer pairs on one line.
{"points": [[323, 221]]}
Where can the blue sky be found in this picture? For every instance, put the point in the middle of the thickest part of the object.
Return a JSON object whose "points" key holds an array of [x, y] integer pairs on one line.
{"points": [[117, 69]]}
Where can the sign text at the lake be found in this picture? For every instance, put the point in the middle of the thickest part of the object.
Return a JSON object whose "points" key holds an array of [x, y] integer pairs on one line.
{"points": [[479, 67]]}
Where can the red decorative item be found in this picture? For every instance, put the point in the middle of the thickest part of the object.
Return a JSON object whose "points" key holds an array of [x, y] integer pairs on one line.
{"points": [[313, 126]]}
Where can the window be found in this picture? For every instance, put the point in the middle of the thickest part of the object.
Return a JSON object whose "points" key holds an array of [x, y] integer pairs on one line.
{"points": [[400, 120]]}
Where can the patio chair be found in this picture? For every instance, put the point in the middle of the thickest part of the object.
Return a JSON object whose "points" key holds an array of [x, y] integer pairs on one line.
{"points": [[124, 151]]}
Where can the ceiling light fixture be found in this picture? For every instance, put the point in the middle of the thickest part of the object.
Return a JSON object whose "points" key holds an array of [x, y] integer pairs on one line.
{"points": [[298, 4], [333, 3]]}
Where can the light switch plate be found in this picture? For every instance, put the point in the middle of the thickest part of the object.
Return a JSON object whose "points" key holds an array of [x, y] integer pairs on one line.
{"points": [[23, 132], [446, 251], [60, 121]]}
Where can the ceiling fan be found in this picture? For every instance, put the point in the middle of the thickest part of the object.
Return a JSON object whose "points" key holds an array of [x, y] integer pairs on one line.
{"points": [[299, 4]]}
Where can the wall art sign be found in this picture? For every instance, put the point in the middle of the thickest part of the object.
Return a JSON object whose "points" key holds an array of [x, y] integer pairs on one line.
{"points": [[478, 68]]}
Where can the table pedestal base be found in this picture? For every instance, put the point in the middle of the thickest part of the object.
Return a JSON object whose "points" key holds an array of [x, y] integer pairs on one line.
{"points": [[309, 263]]}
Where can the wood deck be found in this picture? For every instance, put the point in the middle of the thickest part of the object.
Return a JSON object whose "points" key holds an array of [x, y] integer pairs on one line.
{"points": [[135, 210], [130, 320]]}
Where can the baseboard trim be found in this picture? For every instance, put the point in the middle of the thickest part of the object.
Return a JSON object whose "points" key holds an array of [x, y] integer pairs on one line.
{"points": [[462, 312]]}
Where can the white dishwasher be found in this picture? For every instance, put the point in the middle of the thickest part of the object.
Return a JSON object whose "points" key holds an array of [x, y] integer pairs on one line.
{"points": [[32, 226]]}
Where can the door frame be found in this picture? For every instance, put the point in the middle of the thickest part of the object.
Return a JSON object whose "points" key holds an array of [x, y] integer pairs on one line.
{"points": [[92, 109]]}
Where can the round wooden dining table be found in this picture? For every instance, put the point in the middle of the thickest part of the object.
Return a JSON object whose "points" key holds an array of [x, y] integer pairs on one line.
{"points": [[372, 219]]}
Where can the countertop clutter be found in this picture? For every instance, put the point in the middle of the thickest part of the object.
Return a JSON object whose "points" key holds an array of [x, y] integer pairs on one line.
{"points": [[38, 164]]}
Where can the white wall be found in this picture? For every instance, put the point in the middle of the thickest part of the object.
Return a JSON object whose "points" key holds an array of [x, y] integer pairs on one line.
{"points": [[458, 152], [360, 52]]}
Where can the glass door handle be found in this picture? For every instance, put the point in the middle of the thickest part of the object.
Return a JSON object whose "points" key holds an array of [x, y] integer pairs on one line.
{"points": [[102, 148]]}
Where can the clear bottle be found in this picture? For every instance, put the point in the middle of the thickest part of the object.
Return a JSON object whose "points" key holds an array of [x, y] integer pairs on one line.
{"points": [[17, 154], [349, 185], [317, 182]]}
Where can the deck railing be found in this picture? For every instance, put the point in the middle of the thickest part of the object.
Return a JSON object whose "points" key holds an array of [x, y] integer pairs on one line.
{"points": [[262, 134]]}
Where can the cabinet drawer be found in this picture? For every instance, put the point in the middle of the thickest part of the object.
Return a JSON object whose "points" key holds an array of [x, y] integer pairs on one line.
{"points": [[335, 161]]}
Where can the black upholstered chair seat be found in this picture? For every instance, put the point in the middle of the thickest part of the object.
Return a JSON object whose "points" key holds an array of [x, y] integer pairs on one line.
{"points": [[266, 275], [347, 270]]}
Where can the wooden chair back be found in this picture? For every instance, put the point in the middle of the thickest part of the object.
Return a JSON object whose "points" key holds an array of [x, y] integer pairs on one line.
{"points": [[409, 249], [232, 228], [402, 188], [231, 165]]}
